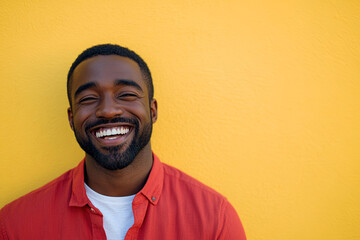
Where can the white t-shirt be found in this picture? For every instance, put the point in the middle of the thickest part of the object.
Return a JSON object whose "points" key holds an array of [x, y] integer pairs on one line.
{"points": [[117, 213]]}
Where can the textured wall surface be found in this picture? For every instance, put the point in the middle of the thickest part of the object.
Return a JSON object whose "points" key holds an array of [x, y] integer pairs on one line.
{"points": [[258, 99]]}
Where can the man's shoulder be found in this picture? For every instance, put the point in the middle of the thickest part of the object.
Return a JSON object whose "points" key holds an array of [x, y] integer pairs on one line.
{"points": [[41, 197], [191, 200], [48, 207], [180, 181]]}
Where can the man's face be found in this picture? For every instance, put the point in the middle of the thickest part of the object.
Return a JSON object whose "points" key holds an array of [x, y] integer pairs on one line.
{"points": [[110, 111]]}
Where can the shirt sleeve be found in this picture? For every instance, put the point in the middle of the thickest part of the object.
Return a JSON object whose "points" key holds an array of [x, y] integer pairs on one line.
{"points": [[230, 227]]}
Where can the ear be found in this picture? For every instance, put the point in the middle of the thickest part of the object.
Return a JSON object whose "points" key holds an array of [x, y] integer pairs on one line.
{"points": [[70, 118], [153, 109]]}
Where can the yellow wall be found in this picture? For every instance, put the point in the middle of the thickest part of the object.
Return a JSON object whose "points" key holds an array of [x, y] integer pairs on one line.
{"points": [[258, 99]]}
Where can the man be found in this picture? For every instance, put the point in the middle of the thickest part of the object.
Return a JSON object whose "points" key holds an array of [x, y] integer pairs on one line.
{"points": [[120, 190]]}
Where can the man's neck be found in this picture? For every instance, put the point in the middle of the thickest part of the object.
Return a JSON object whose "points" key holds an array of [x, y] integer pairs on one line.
{"points": [[122, 182]]}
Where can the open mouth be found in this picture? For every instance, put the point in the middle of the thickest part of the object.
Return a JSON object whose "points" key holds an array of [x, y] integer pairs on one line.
{"points": [[112, 135]]}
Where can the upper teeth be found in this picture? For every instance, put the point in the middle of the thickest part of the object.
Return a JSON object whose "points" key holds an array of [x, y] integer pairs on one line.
{"points": [[103, 132]]}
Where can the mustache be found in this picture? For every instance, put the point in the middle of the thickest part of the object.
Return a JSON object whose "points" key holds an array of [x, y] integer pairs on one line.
{"points": [[133, 121]]}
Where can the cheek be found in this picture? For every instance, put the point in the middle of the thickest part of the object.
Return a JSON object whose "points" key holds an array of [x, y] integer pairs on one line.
{"points": [[140, 110], [79, 119]]}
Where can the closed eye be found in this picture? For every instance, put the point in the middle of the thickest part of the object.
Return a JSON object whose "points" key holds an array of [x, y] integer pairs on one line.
{"points": [[127, 96], [87, 100]]}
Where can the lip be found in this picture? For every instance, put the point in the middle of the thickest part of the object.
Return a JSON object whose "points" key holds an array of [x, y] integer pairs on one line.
{"points": [[112, 140]]}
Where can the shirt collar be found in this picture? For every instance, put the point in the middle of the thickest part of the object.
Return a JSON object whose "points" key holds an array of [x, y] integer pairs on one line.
{"points": [[78, 195], [154, 184], [151, 190]]}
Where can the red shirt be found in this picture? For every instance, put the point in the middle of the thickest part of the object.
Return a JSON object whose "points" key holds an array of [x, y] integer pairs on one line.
{"points": [[171, 205]]}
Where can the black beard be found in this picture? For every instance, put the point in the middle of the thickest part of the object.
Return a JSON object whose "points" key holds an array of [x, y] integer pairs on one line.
{"points": [[115, 159]]}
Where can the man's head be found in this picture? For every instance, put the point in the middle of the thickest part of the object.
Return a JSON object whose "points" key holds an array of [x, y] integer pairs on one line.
{"points": [[111, 49], [111, 105]]}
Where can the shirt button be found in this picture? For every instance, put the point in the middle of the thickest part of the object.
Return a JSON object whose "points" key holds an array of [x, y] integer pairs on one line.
{"points": [[153, 198], [93, 210]]}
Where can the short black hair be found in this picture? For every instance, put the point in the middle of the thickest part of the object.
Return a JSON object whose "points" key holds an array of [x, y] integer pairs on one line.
{"points": [[112, 49]]}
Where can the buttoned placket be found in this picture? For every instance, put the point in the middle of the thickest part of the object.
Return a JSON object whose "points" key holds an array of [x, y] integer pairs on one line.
{"points": [[139, 206], [96, 219]]}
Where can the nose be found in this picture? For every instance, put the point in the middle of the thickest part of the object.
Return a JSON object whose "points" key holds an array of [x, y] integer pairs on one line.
{"points": [[108, 108]]}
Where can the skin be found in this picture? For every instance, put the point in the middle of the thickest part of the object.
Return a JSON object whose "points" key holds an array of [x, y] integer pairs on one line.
{"points": [[106, 100]]}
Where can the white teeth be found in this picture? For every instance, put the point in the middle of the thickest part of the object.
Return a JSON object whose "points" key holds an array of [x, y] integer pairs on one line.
{"points": [[124, 130], [111, 131]]}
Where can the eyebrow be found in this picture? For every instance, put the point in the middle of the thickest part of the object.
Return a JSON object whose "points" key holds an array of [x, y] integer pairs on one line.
{"points": [[84, 87], [128, 83]]}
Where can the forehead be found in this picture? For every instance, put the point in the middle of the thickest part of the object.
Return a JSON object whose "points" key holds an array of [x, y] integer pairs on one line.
{"points": [[104, 69]]}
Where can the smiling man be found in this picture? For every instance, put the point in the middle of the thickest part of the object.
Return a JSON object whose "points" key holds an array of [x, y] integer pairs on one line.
{"points": [[120, 190]]}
